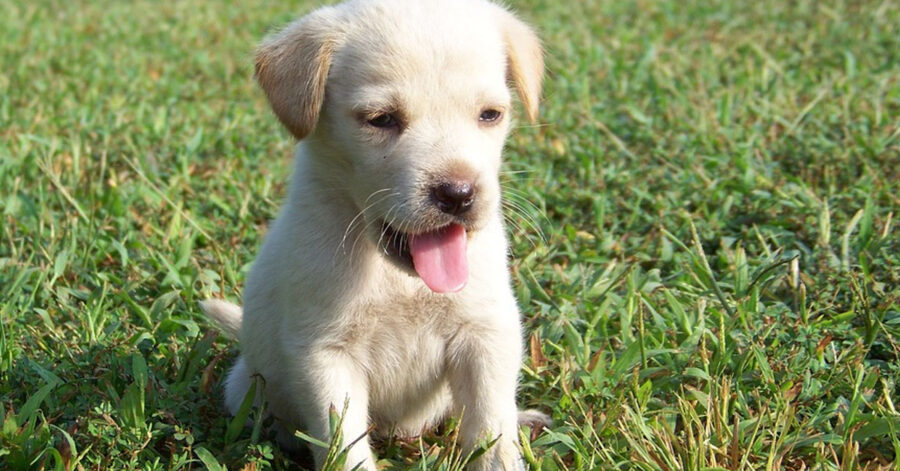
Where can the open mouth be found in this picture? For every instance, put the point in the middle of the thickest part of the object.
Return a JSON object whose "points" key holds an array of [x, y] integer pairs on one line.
{"points": [[437, 256]]}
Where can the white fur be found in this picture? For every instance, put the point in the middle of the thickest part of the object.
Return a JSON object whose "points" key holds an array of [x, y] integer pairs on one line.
{"points": [[328, 315]]}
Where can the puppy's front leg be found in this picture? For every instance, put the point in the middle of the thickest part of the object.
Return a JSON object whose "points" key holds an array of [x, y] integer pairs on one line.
{"points": [[484, 367], [332, 379]]}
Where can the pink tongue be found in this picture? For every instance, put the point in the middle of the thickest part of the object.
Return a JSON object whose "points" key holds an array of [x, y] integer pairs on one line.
{"points": [[440, 258]]}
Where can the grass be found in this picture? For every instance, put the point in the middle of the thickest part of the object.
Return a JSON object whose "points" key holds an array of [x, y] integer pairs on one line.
{"points": [[705, 254]]}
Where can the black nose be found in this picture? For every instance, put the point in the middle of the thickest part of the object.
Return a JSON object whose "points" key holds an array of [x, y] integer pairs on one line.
{"points": [[453, 197]]}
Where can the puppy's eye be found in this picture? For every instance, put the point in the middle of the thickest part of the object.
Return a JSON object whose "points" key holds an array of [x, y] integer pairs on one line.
{"points": [[383, 120], [490, 115]]}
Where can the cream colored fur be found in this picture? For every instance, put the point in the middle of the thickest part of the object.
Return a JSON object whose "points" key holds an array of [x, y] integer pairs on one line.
{"points": [[329, 315]]}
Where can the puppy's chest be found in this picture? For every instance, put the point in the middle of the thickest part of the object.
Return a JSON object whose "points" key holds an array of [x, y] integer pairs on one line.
{"points": [[405, 316], [404, 334]]}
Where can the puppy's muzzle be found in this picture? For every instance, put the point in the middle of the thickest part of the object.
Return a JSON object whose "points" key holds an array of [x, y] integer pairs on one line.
{"points": [[454, 197]]}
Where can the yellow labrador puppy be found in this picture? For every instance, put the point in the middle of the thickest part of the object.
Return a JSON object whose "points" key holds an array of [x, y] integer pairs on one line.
{"points": [[384, 279]]}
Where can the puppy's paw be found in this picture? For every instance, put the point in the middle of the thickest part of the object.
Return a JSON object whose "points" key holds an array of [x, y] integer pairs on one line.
{"points": [[534, 419], [504, 456]]}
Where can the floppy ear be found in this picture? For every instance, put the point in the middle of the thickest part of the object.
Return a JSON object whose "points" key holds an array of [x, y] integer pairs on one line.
{"points": [[525, 60], [292, 67]]}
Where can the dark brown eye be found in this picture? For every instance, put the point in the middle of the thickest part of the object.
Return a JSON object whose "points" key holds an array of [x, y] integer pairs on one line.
{"points": [[383, 120], [490, 115]]}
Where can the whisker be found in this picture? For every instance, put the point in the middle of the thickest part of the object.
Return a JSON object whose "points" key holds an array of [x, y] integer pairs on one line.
{"points": [[404, 224], [368, 223], [520, 224], [516, 172], [532, 126], [361, 213], [525, 210], [526, 206], [375, 193], [390, 219], [520, 195]]}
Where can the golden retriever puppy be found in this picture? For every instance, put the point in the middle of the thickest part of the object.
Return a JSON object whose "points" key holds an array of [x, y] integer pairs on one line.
{"points": [[384, 282]]}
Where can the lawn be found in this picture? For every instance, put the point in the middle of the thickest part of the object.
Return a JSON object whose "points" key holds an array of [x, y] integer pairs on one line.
{"points": [[703, 227]]}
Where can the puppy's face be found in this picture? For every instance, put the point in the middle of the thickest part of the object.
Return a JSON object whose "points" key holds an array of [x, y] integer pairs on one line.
{"points": [[422, 119], [415, 106]]}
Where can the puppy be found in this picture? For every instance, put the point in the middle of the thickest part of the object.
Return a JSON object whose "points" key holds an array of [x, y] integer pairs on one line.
{"points": [[383, 282]]}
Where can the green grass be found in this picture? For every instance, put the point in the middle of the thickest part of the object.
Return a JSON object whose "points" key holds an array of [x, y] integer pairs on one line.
{"points": [[707, 257]]}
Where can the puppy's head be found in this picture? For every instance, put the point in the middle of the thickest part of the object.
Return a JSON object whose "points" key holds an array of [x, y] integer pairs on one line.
{"points": [[410, 99]]}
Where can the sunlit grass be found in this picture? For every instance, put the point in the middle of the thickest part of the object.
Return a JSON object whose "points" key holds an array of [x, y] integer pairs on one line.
{"points": [[703, 232]]}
